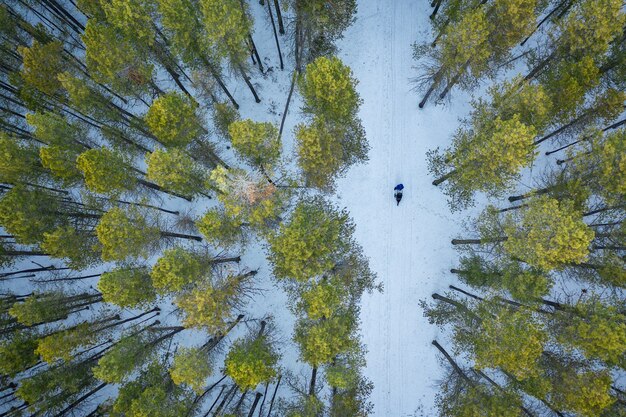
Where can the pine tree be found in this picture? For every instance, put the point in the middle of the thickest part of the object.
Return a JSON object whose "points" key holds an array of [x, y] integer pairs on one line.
{"points": [[127, 287], [106, 171], [211, 305], [121, 65], [191, 367], [17, 353], [126, 233], [175, 170], [486, 158], [177, 268], [81, 249], [550, 233], [257, 143], [172, 118], [251, 362], [297, 251], [219, 229]]}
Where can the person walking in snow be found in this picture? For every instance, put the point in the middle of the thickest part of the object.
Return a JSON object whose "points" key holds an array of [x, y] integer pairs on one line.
{"points": [[397, 193]]}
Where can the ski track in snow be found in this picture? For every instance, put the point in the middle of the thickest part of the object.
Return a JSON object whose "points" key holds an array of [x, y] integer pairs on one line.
{"points": [[408, 246]]}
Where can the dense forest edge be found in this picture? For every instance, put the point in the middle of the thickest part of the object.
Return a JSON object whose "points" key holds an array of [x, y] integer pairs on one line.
{"points": [[536, 325], [133, 190]]}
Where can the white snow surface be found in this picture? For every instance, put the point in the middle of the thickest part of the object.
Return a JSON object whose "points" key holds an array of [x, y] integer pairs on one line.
{"points": [[408, 245]]}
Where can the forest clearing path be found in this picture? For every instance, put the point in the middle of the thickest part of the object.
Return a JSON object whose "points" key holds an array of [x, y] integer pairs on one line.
{"points": [[408, 246]]}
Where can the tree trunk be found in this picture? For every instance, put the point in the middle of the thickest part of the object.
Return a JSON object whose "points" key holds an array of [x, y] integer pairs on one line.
{"points": [[258, 395], [454, 80], [585, 138], [286, 110], [181, 236], [533, 193], [66, 279], [267, 385], [453, 363], [436, 80], [81, 399], [269, 413], [477, 241], [280, 54], [156, 187], [444, 178], [23, 271], [249, 84], [279, 17], [223, 403], [535, 71], [313, 380], [499, 388], [216, 400], [437, 6], [22, 253], [456, 304], [512, 208], [545, 19], [256, 53], [219, 80]]}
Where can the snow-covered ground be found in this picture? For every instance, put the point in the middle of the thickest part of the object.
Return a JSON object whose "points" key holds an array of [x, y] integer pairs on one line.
{"points": [[408, 246]]}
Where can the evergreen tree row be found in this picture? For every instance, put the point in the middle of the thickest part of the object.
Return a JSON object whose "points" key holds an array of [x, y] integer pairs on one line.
{"points": [[536, 326], [115, 184]]}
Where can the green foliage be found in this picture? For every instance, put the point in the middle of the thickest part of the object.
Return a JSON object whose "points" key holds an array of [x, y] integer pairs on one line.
{"points": [[61, 344], [321, 341], [53, 129], [106, 171], [41, 63], [17, 162], [610, 165], [219, 229], [175, 269], [256, 142], [322, 25], [334, 139], [583, 393], [311, 242], [172, 119], [40, 308], [251, 362], [80, 249], [18, 353], [117, 363], [224, 114], [329, 90], [319, 153], [321, 300], [120, 64], [478, 402], [549, 234], [127, 287], [125, 234], [210, 306], [465, 44], [486, 158], [597, 329], [512, 341], [227, 26], [175, 170], [61, 162], [134, 19], [192, 367], [28, 213]]}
